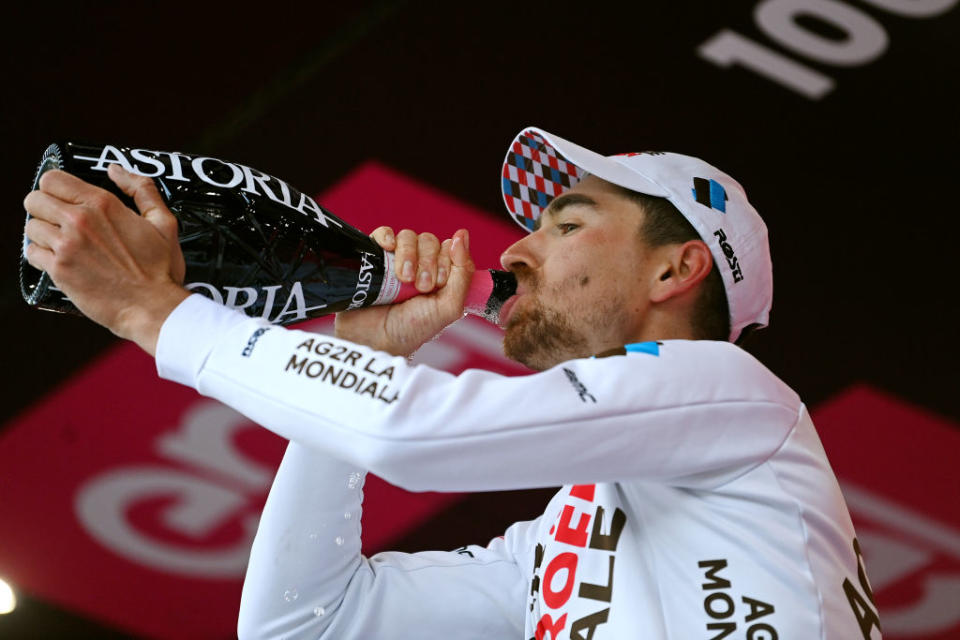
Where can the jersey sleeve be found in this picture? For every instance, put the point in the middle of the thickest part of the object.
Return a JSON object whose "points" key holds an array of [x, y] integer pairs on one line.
{"points": [[691, 413], [307, 578]]}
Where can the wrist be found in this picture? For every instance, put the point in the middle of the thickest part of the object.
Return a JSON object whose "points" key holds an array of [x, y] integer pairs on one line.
{"points": [[140, 322]]}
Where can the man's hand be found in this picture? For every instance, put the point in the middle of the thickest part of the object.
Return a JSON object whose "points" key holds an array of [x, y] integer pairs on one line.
{"points": [[122, 270], [446, 269]]}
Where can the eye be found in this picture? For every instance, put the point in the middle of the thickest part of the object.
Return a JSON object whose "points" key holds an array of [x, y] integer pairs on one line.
{"points": [[567, 227]]}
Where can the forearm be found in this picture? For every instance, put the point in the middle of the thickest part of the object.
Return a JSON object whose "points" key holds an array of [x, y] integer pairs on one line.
{"points": [[646, 417], [307, 548]]}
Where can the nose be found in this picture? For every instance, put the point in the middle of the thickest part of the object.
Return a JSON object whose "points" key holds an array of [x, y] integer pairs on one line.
{"points": [[521, 253]]}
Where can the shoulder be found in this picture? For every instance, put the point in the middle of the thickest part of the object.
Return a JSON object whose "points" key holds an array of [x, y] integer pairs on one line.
{"points": [[719, 354], [701, 369]]}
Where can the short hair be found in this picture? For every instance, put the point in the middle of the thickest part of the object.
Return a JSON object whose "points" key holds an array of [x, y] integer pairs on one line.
{"points": [[663, 224]]}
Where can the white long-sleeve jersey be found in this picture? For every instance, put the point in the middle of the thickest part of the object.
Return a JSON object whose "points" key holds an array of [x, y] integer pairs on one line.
{"points": [[697, 500]]}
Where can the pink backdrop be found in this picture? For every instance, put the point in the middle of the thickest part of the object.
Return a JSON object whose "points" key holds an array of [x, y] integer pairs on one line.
{"points": [[136, 499]]}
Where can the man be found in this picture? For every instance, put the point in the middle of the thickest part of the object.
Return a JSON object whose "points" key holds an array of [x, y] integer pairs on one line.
{"points": [[697, 501]]}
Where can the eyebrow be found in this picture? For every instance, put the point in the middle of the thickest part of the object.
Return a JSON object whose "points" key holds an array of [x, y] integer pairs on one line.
{"points": [[561, 202]]}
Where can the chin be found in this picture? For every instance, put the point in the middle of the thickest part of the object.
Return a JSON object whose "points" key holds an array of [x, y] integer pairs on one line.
{"points": [[540, 338]]}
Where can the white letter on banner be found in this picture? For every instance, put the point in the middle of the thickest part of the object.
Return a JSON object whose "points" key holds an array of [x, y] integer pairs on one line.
{"points": [[866, 38], [728, 47], [102, 504], [915, 8], [205, 440]]}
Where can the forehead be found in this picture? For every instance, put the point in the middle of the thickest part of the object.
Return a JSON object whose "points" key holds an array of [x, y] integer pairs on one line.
{"points": [[594, 185], [609, 204], [598, 194]]}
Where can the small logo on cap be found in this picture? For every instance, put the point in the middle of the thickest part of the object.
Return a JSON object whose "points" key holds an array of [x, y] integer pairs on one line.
{"points": [[710, 193], [640, 153], [730, 255]]}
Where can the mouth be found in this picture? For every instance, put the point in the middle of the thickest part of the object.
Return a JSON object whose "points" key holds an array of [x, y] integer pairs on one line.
{"points": [[507, 310]]}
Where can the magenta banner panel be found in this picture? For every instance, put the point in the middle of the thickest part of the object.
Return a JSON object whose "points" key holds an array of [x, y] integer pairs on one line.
{"points": [[134, 500]]}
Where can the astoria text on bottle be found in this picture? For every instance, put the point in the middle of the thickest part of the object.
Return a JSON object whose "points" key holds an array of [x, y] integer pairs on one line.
{"points": [[250, 240]]}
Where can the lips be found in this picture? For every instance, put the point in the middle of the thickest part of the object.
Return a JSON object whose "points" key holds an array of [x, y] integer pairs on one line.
{"points": [[507, 310]]}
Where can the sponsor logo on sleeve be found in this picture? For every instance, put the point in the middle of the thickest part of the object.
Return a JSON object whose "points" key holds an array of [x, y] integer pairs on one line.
{"points": [[344, 368], [252, 341]]}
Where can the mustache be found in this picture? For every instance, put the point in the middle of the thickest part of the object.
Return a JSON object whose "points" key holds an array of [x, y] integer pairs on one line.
{"points": [[526, 276]]}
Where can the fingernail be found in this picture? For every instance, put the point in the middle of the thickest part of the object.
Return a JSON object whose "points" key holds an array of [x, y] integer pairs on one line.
{"points": [[407, 273], [424, 279], [388, 238], [441, 275]]}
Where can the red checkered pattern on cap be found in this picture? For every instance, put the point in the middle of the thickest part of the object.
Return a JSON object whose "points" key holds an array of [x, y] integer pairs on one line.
{"points": [[533, 175]]}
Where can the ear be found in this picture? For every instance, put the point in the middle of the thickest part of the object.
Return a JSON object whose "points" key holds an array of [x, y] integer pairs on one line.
{"points": [[683, 267]]}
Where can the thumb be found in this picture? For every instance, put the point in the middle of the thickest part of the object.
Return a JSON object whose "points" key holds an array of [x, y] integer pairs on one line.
{"points": [[461, 269], [145, 195]]}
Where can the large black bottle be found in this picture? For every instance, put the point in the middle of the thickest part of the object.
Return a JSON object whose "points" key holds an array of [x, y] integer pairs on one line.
{"points": [[251, 241]]}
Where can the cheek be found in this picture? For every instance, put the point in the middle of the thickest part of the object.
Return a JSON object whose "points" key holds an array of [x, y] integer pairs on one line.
{"points": [[586, 266]]}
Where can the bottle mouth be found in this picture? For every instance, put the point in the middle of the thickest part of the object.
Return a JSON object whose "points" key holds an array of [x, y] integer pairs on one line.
{"points": [[35, 284], [503, 287]]}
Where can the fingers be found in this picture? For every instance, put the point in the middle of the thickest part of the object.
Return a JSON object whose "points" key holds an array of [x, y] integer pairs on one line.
{"points": [[460, 249], [406, 255], [385, 238], [64, 186], [39, 257], [145, 195], [154, 210], [141, 188], [42, 233], [443, 262], [419, 258], [67, 201], [451, 298], [63, 221], [44, 206], [43, 237], [428, 249]]}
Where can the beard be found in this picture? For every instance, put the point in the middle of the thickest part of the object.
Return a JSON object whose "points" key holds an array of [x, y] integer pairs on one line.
{"points": [[539, 338]]}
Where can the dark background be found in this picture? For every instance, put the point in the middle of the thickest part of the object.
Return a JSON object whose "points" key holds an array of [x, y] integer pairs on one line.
{"points": [[859, 188]]}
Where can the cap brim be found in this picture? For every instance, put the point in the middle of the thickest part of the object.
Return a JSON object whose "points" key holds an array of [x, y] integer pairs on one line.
{"points": [[539, 166]]}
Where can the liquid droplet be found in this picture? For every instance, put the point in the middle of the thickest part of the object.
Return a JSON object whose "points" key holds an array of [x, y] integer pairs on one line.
{"points": [[290, 595], [319, 611], [353, 480], [339, 540]]}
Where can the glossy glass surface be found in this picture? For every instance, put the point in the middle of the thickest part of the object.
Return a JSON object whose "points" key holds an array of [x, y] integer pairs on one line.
{"points": [[249, 240]]}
